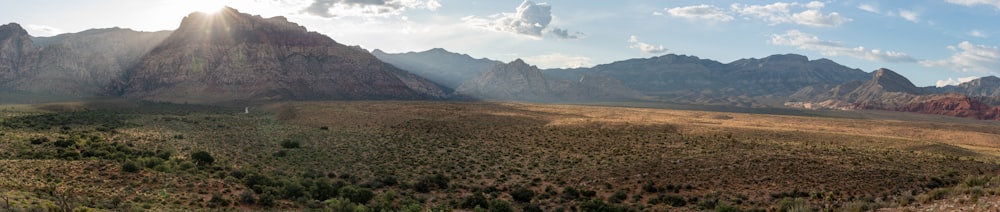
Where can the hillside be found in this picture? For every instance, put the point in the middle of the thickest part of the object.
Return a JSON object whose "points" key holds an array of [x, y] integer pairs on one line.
{"points": [[233, 56]]}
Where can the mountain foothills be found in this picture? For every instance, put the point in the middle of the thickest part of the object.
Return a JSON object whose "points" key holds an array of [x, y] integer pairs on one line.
{"points": [[236, 57]]}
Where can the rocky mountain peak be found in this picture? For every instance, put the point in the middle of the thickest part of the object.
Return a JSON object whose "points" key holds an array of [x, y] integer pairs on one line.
{"points": [[12, 30], [984, 81], [229, 26], [518, 63], [893, 82], [787, 58]]}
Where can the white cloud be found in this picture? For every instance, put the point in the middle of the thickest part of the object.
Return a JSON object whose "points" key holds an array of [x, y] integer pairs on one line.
{"points": [[979, 34], [870, 8], [706, 12], [970, 3], [42, 30], [558, 60], [909, 15], [335, 8], [529, 19], [810, 42], [433, 5], [950, 81], [782, 12], [968, 57], [646, 48]]}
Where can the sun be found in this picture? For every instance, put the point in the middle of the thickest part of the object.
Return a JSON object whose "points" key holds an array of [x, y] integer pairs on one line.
{"points": [[205, 6]]}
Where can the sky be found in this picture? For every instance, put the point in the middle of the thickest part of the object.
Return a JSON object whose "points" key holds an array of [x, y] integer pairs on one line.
{"points": [[932, 42]]}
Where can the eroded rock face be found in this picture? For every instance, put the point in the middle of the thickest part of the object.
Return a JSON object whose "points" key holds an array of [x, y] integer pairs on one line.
{"points": [[954, 105], [232, 56]]}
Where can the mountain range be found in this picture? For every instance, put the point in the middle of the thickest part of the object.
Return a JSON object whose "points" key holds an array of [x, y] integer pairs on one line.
{"points": [[236, 57], [224, 57]]}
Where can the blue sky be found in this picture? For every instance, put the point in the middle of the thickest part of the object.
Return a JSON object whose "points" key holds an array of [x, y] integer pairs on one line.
{"points": [[933, 42]]}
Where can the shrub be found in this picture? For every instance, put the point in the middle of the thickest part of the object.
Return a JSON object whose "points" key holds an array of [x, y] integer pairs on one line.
{"points": [[202, 158], [598, 206], [476, 200], [130, 166], [790, 204], [498, 205], [356, 195], [289, 144], [618, 196], [531, 208], [522, 194], [426, 183]]}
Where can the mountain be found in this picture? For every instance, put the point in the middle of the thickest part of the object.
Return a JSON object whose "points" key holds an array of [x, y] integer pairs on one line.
{"points": [[746, 82], [438, 65], [885, 90], [233, 56], [80, 64], [985, 86], [519, 81]]}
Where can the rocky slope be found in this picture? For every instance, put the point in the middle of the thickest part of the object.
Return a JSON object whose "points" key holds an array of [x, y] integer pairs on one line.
{"points": [[233, 56], [885, 90], [519, 81], [439, 65], [80, 64], [954, 105]]}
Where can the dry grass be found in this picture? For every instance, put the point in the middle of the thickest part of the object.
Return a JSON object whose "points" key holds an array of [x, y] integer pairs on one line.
{"points": [[745, 160]]}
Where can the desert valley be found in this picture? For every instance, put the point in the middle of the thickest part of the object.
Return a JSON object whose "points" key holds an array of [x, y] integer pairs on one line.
{"points": [[237, 112]]}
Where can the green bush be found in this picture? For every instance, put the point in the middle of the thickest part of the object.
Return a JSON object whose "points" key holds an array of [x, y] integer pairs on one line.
{"points": [[130, 166], [202, 158], [356, 195], [498, 205], [522, 194], [476, 200]]}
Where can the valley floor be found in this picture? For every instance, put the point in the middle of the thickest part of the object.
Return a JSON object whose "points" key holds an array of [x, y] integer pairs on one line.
{"points": [[412, 156]]}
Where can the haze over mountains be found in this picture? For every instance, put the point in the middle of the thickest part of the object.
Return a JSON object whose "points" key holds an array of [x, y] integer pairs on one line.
{"points": [[234, 57]]}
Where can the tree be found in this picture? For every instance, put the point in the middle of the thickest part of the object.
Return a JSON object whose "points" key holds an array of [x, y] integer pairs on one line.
{"points": [[202, 158]]}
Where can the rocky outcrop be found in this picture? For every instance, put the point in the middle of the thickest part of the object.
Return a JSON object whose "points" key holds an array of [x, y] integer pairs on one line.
{"points": [[233, 56], [439, 65], [954, 105]]}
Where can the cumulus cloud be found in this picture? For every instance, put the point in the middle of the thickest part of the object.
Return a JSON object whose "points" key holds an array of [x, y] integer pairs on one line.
{"points": [[968, 57], [809, 14], [806, 41], [970, 3], [558, 60], [703, 12], [646, 48], [42, 30], [979, 34], [950, 81], [528, 19], [334, 8], [909, 15]]}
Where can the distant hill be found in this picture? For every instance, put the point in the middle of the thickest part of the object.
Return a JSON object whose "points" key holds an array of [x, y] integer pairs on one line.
{"points": [[985, 86], [519, 81], [438, 65]]}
